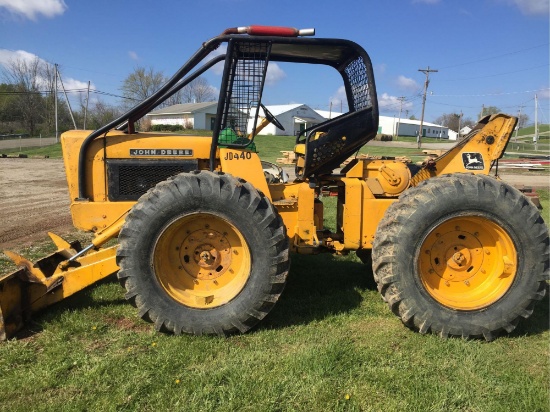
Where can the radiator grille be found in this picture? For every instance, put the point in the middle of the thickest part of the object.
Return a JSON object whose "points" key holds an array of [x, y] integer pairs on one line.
{"points": [[129, 179]]}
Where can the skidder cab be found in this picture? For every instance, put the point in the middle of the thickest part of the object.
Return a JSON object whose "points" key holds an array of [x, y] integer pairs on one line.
{"points": [[205, 227]]}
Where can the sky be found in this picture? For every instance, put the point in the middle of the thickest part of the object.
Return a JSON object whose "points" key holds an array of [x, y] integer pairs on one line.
{"points": [[487, 52]]}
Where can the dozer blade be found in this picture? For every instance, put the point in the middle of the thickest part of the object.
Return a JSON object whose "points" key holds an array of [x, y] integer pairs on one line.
{"points": [[51, 279]]}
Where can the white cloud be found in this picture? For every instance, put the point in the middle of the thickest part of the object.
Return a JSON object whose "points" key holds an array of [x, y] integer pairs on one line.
{"points": [[31, 9], [274, 74], [544, 94], [71, 84], [133, 55], [536, 7], [218, 68], [391, 103], [407, 83], [8, 56], [339, 97], [380, 69]]}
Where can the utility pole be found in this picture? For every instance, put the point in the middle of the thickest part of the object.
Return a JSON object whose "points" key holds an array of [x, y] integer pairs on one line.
{"points": [[67, 99], [401, 99], [426, 83], [459, 119], [55, 98], [517, 128], [482, 110], [536, 136], [86, 108]]}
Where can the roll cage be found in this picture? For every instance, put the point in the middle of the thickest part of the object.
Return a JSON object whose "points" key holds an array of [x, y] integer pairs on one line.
{"points": [[245, 66]]}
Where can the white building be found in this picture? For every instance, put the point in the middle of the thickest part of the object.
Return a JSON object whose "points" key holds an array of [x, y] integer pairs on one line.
{"points": [[407, 127], [189, 115], [293, 117]]}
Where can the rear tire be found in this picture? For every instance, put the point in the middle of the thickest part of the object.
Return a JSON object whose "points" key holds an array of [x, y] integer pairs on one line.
{"points": [[462, 255], [203, 253]]}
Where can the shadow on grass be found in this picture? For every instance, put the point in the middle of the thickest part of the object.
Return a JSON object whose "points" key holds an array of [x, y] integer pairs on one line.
{"points": [[539, 322], [319, 286]]}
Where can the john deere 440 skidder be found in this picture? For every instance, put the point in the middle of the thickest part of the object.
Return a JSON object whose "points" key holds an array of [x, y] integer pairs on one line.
{"points": [[205, 228]]}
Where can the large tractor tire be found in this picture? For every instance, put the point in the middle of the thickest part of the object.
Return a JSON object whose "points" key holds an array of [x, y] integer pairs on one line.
{"points": [[203, 253], [462, 255]]}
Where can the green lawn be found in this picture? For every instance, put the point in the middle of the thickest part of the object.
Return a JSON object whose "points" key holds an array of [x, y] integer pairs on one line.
{"points": [[543, 128], [330, 344]]}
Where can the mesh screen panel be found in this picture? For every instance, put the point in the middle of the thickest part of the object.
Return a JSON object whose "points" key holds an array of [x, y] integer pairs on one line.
{"points": [[356, 72], [246, 81]]}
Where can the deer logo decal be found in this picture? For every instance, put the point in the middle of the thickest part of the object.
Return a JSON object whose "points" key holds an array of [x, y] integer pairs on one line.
{"points": [[473, 161]]}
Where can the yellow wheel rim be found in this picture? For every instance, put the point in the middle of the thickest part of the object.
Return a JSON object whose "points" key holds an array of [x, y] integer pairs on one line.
{"points": [[467, 262], [201, 260]]}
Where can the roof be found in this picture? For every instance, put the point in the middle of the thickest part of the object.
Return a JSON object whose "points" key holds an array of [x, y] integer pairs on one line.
{"points": [[184, 108], [278, 109], [409, 121], [328, 114]]}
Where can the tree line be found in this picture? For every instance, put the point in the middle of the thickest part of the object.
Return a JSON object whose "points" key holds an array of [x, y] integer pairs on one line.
{"points": [[27, 98], [27, 102], [455, 121]]}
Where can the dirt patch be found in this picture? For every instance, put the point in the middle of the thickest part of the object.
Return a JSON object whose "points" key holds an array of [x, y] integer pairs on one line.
{"points": [[34, 200]]}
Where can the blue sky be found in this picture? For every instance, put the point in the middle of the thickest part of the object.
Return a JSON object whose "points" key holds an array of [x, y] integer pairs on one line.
{"points": [[488, 52]]}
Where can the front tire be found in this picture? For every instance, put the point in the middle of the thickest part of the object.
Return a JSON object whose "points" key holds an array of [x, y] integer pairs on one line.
{"points": [[462, 255], [203, 253]]}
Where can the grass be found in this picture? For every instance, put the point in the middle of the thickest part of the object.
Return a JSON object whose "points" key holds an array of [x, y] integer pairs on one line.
{"points": [[543, 128], [53, 151], [330, 344]]}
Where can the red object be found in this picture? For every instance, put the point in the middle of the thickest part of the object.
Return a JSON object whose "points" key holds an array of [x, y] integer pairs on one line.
{"points": [[272, 31]]}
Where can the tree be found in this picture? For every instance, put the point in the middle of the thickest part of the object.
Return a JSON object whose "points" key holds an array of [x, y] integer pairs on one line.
{"points": [[26, 78], [9, 116], [453, 120], [198, 91], [141, 84], [490, 110], [522, 120]]}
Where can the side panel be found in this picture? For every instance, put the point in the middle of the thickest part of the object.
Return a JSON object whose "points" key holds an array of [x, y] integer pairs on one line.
{"points": [[123, 167], [246, 165]]}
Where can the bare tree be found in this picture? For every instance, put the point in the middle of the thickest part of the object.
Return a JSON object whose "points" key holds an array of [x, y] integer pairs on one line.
{"points": [[141, 84], [198, 91], [490, 110], [26, 78], [453, 120], [522, 120]]}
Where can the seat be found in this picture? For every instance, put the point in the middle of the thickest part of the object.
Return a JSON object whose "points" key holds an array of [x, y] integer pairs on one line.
{"points": [[329, 143]]}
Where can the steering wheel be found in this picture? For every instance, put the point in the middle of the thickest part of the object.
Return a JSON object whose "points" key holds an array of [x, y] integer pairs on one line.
{"points": [[272, 119]]}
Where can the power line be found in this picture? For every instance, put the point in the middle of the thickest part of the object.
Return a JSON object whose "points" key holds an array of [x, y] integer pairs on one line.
{"points": [[496, 74], [16, 93], [488, 94], [496, 56]]}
